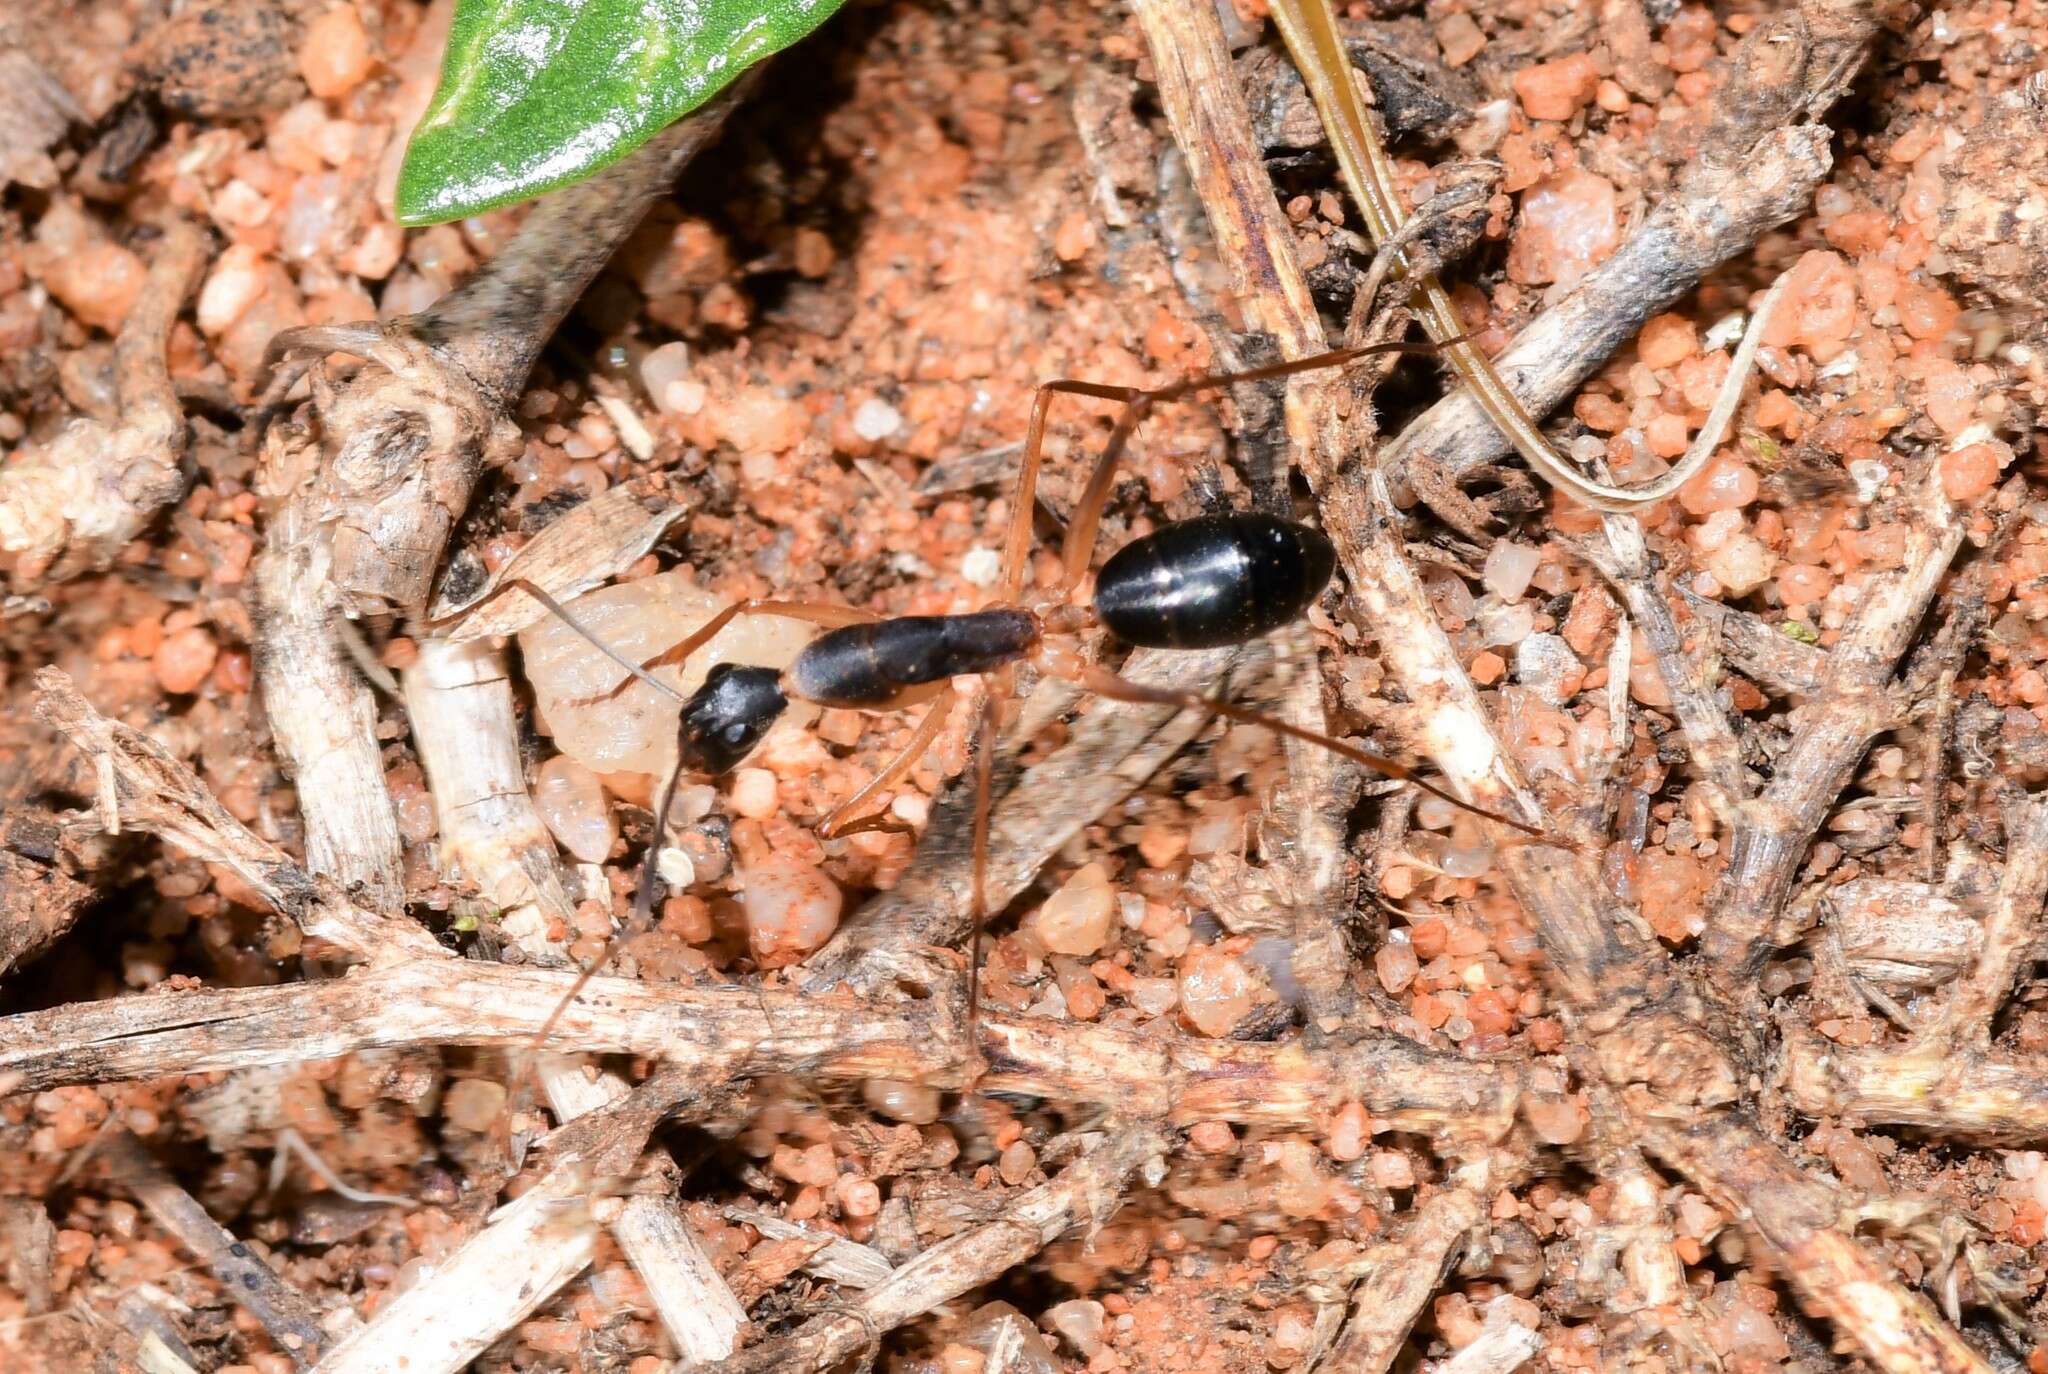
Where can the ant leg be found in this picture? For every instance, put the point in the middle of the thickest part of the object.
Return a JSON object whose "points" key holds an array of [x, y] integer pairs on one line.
{"points": [[1017, 541], [984, 772], [1104, 683], [563, 614], [1079, 546], [839, 823], [815, 612]]}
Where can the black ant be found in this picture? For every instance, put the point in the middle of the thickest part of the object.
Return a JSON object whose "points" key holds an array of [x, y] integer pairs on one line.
{"points": [[1207, 582]]}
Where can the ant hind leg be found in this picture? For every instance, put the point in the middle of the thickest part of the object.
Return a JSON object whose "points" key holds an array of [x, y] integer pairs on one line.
{"points": [[1104, 683]]}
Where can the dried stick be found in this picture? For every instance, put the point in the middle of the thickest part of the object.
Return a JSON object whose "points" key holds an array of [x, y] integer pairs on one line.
{"points": [[461, 706], [460, 699], [1947, 1078], [1772, 659], [839, 1260], [70, 507], [1710, 736], [1756, 166], [1641, 1029], [699, 1310], [2010, 935], [39, 897], [727, 1032], [1855, 705], [1400, 1276], [1212, 127], [292, 1321], [142, 785], [497, 1279], [581, 550], [1086, 1194]]}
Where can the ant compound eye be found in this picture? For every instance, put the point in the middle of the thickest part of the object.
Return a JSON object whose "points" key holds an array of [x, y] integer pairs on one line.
{"points": [[738, 733]]}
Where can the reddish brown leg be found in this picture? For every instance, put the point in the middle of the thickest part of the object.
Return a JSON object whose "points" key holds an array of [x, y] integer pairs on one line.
{"points": [[1078, 548], [1017, 544], [815, 612], [984, 773], [1104, 683], [934, 720]]}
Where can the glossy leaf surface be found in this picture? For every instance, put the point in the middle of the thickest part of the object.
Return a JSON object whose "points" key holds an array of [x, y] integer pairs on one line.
{"points": [[535, 94]]}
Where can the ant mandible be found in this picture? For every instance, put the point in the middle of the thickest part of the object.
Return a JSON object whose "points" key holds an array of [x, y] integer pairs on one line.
{"points": [[1206, 582]]}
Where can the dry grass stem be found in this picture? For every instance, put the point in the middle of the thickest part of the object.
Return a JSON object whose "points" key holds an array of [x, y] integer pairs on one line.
{"points": [[1085, 1195]]}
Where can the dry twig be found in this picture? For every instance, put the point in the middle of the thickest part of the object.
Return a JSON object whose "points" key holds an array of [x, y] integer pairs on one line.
{"points": [[292, 1321], [1086, 1194]]}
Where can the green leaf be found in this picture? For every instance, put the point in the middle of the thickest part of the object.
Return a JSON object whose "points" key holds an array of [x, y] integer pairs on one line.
{"points": [[536, 94], [1804, 633]]}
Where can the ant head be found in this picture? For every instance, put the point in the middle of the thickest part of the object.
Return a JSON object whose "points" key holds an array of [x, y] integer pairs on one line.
{"points": [[726, 717]]}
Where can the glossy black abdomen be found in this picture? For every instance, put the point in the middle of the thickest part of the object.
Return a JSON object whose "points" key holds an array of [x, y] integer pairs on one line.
{"points": [[867, 665], [1217, 579]]}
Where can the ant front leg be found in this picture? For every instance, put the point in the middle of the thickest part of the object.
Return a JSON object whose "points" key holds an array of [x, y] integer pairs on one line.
{"points": [[841, 823]]}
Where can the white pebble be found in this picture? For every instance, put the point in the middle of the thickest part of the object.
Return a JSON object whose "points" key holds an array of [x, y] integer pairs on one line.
{"points": [[876, 419], [1543, 663], [1723, 332], [235, 284], [678, 871], [634, 731], [1741, 565], [912, 1103], [1509, 566], [572, 805], [1505, 624], [753, 793], [792, 908], [981, 567], [663, 371]]}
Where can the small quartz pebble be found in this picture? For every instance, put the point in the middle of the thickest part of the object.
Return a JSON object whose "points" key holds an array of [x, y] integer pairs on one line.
{"points": [[792, 908], [336, 54], [1972, 470], [663, 372], [573, 806], [876, 419], [914, 1104], [235, 283], [1666, 341], [1076, 919], [1569, 223], [1509, 566], [1081, 1322], [634, 730], [1547, 666], [1215, 990], [1819, 306], [1723, 484], [184, 659], [98, 283], [753, 793]]}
